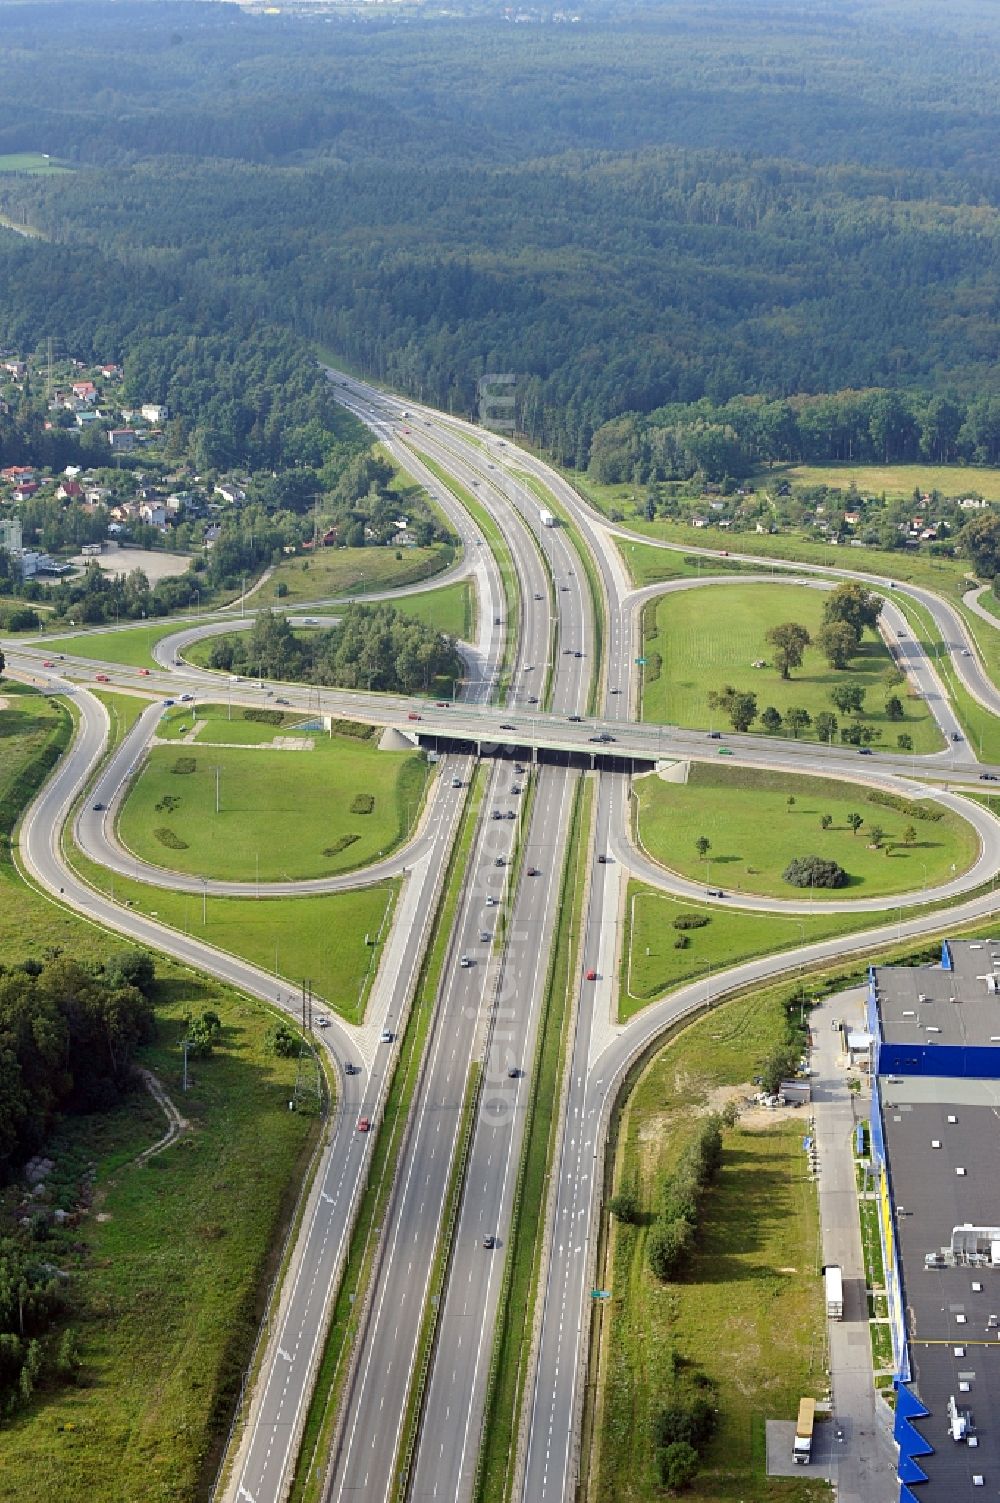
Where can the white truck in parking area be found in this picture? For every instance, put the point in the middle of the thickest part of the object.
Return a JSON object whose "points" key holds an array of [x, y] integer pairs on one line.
{"points": [[833, 1280], [802, 1446]]}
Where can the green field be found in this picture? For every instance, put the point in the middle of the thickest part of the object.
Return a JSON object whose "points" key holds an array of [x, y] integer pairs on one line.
{"points": [[894, 480], [165, 1287], [331, 572], [754, 833], [754, 1274], [39, 163], [451, 609], [652, 964], [649, 565], [284, 815], [131, 646], [707, 638]]}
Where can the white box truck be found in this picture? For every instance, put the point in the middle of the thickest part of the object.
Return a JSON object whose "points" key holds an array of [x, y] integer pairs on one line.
{"points": [[833, 1278], [802, 1447], [546, 518]]}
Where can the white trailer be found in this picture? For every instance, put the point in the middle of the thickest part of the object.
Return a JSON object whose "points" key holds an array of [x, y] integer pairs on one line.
{"points": [[833, 1279]]}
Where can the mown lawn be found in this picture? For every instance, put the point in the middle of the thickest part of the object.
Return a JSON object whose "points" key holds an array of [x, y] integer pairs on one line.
{"points": [[697, 641], [165, 1288], [132, 646], [653, 963], [451, 609], [748, 1312], [755, 832], [283, 815]]}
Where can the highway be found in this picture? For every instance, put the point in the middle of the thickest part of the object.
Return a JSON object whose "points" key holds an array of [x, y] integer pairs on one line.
{"points": [[488, 1010]]}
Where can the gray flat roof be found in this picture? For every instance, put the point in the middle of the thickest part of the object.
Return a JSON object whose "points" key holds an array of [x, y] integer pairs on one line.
{"points": [[953, 1313], [958, 1007]]}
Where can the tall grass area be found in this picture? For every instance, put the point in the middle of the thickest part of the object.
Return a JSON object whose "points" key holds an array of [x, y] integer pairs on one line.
{"points": [[168, 1271], [754, 1274]]}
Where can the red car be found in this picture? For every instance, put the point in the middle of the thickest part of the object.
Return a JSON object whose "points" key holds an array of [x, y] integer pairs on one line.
{"points": [[413, 715], [591, 975], [102, 678], [48, 663], [144, 672], [363, 1124]]}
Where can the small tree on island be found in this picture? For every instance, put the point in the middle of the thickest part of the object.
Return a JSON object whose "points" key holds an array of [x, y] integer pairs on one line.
{"points": [[703, 845], [838, 642], [894, 708], [814, 871], [876, 835], [740, 707], [904, 741], [798, 719], [826, 821], [771, 719], [855, 821]]}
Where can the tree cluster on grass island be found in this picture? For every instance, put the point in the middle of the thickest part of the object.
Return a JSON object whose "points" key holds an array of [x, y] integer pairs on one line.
{"points": [[814, 871]]}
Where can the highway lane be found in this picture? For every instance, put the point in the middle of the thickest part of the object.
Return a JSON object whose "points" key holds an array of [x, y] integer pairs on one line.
{"points": [[385, 1366]]}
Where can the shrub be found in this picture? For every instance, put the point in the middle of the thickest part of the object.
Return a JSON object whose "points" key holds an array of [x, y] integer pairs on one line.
{"points": [[625, 1205], [691, 921], [681, 942], [265, 717], [669, 1244], [814, 871], [905, 806], [678, 1465], [362, 803], [184, 764], [340, 844], [169, 839], [353, 728]]}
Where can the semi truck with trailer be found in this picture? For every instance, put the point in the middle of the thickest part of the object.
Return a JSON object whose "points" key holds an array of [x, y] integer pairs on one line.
{"points": [[833, 1279], [802, 1446]]}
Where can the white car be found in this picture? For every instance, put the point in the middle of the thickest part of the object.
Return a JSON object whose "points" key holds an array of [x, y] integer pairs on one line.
{"points": [[385, 1037], [186, 698], [491, 901], [465, 962]]}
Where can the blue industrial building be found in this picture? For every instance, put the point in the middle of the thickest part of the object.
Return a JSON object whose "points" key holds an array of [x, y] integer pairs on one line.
{"points": [[935, 1132]]}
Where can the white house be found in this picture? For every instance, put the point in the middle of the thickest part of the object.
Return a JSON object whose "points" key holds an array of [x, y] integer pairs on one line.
{"points": [[155, 412]]}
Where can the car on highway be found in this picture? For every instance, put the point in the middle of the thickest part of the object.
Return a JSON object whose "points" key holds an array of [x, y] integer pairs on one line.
{"points": [[143, 672], [591, 975], [715, 735], [386, 1036], [966, 653], [506, 726], [499, 861], [49, 663], [441, 704], [715, 892], [465, 961], [484, 936], [578, 654], [98, 808], [497, 814], [955, 736], [186, 698], [603, 860], [575, 719], [725, 751], [456, 782], [533, 871], [101, 678], [864, 751], [515, 787], [308, 620], [413, 715], [167, 703], [489, 1241], [364, 1124], [322, 1022], [988, 777], [513, 1072], [491, 901], [281, 701], [350, 1069], [564, 588], [511, 814], [539, 595]]}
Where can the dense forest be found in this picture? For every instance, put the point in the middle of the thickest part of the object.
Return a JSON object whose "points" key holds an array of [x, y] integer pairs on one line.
{"points": [[663, 205]]}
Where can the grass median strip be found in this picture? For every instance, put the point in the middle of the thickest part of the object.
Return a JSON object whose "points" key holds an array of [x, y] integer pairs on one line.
{"points": [[307, 1485], [515, 1314], [981, 728], [437, 1284]]}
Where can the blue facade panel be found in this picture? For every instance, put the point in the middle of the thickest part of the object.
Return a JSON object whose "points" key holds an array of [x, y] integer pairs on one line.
{"points": [[979, 1061]]}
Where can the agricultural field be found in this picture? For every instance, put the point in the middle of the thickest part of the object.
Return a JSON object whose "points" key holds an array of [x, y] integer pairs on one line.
{"points": [[696, 641], [754, 1272], [891, 480], [757, 822], [38, 163], [166, 1281], [334, 805]]}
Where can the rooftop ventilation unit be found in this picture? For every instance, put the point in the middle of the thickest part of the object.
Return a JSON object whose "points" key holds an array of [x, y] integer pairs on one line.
{"points": [[960, 1423], [978, 1246], [993, 984]]}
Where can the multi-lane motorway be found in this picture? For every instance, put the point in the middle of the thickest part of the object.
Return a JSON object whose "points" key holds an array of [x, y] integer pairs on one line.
{"points": [[489, 1008]]}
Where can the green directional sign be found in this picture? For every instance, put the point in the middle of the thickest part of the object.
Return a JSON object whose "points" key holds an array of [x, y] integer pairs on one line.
{"points": [[639, 662], [600, 1293]]}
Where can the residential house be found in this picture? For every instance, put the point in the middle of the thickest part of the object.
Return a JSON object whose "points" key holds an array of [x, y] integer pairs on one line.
{"points": [[26, 491], [153, 512], [87, 419], [155, 412], [123, 440], [973, 503], [85, 391], [70, 490], [16, 368], [852, 518], [231, 493], [18, 473], [110, 372]]}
